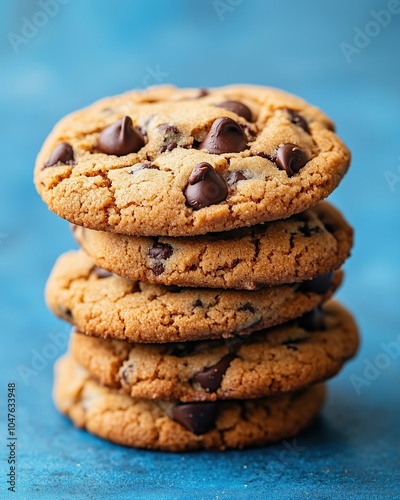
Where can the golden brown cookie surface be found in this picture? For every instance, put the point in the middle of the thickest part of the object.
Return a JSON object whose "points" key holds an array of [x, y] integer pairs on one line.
{"points": [[309, 244], [109, 306], [168, 426], [281, 359], [170, 162]]}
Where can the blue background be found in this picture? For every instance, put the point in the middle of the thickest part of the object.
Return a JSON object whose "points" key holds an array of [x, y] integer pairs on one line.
{"points": [[91, 49]]}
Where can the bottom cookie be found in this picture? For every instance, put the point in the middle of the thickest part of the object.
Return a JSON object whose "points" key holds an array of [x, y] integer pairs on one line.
{"points": [[168, 426]]}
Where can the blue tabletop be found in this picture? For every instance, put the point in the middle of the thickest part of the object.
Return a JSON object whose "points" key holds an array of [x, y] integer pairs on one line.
{"points": [[59, 55]]}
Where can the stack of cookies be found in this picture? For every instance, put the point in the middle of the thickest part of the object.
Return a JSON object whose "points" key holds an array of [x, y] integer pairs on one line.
{"points": [[200, 296]]}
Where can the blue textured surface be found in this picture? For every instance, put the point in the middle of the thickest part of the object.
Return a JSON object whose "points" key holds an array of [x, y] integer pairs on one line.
{"points": [[95, 48]]}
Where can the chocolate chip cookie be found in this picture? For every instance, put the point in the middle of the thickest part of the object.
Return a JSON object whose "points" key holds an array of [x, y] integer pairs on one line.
{"points": [[171, 426], [108, 306], [284, 358], [170, 162], [309, 244]]}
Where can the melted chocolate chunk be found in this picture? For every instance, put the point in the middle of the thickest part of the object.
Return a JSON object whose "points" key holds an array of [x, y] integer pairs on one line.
{"points": [[211, 378], [235, 176], [160, 251], [168, 147], [247, 307], [202, 93], [120, 138], [308, 231], [125, 372], [225, 136], [168, 129], [266, 156], [313, 320], [63, 154], [320, 284], [238, 108], [66, 313], [290, 158], [196, 417], [298, 120], [171, 136], [205, 187], [197, 303], [158, 268]]}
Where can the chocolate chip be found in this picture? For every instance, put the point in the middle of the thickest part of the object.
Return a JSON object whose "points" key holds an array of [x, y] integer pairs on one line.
{"points": [[173, 289], [63, 154], [235, 176], [181, 349], [171, 137], [196, 417], [205, 187], [168, 129], [247, 307], [168, 147], [225, 136], [238, 108], [125, 372], [308, 231], [101, 273], [331, 228], [266, 156], [158, 268], [197, 303], [120, 138], [313, 320], [320, 284], [298, 120], [202, 93], [291, 158], [66, 313], [160, 251], [250, 131], [211, 378]]}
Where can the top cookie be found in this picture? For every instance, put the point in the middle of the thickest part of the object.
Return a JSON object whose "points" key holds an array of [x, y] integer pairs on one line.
{"points": [[172, 162]]}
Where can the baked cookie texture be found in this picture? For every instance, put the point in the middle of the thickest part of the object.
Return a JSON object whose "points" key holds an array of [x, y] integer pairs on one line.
{"points": [[306, 245], [282, 359], [200, 297], [109, 306], [160, 425], [171, 162]]}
